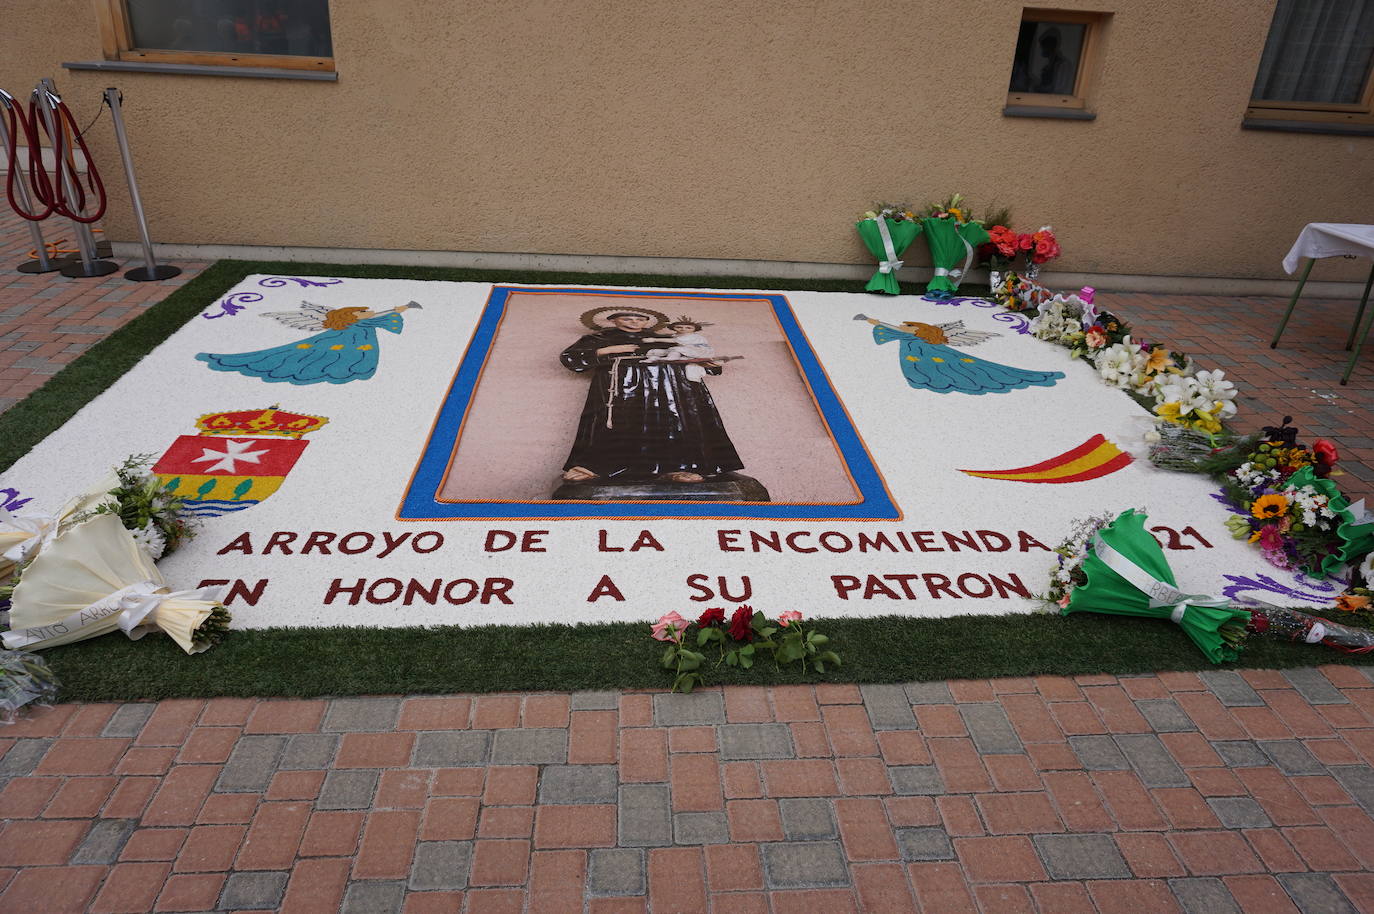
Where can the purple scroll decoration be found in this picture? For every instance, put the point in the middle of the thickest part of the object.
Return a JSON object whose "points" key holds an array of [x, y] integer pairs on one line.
{"points": [[276, 282], [10, 499], [1303, 588], [1018, 322], [957, 300], [233, 304]]}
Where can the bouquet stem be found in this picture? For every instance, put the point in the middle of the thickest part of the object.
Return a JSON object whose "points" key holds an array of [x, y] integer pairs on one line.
{"points": [[1299, 626]]}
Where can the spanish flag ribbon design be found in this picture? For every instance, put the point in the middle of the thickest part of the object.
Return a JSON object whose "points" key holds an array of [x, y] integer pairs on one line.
{"points": [[1093, 458]]}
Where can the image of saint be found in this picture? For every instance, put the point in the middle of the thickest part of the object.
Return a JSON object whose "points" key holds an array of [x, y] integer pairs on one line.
{"points": [[930, 362], [647, 415], [343, 349]]}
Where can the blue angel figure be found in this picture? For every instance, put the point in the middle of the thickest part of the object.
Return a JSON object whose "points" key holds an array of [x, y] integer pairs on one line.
{"points": [[345, 350], [929, 362]]}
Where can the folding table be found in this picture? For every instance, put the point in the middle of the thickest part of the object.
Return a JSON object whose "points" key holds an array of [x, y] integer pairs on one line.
{"points": [[1332, 239]]}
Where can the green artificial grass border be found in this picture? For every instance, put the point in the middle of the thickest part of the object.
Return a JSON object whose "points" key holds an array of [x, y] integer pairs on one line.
{"points": [[303, 662], [359, 660]]}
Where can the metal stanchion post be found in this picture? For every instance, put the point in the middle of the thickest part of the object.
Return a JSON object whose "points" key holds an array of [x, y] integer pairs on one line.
{"points": [[42, 264], [83, 230], [46, 95], [150, 270]]}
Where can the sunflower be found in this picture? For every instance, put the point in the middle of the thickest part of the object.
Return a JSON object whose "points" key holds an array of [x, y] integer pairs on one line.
{"points": [[1268, 507]]}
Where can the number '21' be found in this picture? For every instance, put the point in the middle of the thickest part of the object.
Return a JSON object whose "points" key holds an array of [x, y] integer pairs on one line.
{"points": [[1175, 537]]}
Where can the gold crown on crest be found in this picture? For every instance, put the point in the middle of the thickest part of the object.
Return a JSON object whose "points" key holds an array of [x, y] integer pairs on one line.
{"points": [[270, 421]]}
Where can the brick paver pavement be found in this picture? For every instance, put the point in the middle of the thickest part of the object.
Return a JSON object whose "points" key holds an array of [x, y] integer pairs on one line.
{"points": [[1213, 792], [1217, 792], [47, 320]]}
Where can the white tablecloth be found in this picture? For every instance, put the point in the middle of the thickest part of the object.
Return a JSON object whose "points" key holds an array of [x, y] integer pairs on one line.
{"points": [[1330, 239]]}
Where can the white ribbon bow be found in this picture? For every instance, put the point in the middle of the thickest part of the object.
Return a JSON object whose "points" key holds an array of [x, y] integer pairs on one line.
{"points": [[41, 529], [1361, 513], [138, 602], [891, 264], [1159, 593]]}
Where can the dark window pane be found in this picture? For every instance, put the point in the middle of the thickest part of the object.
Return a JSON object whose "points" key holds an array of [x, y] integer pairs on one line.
{"points": [[1317, 51], [1047, 57], [299, 27]]}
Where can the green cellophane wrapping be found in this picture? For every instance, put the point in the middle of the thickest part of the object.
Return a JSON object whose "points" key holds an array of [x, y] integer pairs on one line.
{"points": [[902, 234], [1108, 592], [1355, 538], [947, 251]]}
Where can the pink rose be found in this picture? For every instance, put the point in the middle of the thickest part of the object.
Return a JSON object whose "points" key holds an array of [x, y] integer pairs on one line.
{"points": [[789, 617], [670, 628]]}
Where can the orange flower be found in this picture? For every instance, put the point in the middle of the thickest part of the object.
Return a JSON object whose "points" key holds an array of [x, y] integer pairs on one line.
{"points": [[1352, 602], [1159, 360]]}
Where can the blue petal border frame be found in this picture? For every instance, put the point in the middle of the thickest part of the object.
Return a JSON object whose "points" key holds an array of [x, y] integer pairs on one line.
{"points": [[420, 503]]}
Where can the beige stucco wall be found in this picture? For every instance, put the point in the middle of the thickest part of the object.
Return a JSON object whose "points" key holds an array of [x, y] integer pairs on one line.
{"points": [[714, 129]]}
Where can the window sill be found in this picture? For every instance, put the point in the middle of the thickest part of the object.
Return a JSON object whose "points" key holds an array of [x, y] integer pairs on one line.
{"points": [[1063, 114], [1251, 123], [182, 69]]}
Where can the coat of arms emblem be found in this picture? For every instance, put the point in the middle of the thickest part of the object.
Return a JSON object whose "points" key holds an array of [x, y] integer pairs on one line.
{"points": [[238, 459]]}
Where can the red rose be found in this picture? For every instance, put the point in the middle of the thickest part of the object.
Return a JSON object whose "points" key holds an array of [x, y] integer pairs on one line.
{"points": [[1325, 451], [712, 617], [1025, 242], [742, 624]]}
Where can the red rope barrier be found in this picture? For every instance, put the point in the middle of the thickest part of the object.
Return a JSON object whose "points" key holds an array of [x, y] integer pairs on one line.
{"points": [[51, 191], [38, 178], [63, 120]]}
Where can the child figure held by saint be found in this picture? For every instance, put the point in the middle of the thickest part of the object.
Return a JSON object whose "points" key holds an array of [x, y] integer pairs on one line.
{"points": [[688, 343]]}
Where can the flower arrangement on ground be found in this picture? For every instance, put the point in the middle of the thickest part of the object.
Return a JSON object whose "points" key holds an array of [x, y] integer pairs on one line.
{"points": [[152, 514], [1176, 390], [1005, 246], [887, 231], [1017, 293], [89, 569], [24, 679], [1039, 247], [952, 234], [1118, 568], [746, 637], [96, 578], [1299, 521], [1280, 496], [1278, 490], [153, 517]]}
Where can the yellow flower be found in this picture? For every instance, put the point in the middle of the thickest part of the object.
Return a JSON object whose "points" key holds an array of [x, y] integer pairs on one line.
{"points": [[1267, 507], [1170, 412], [957, 213], [1207, 422]]}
